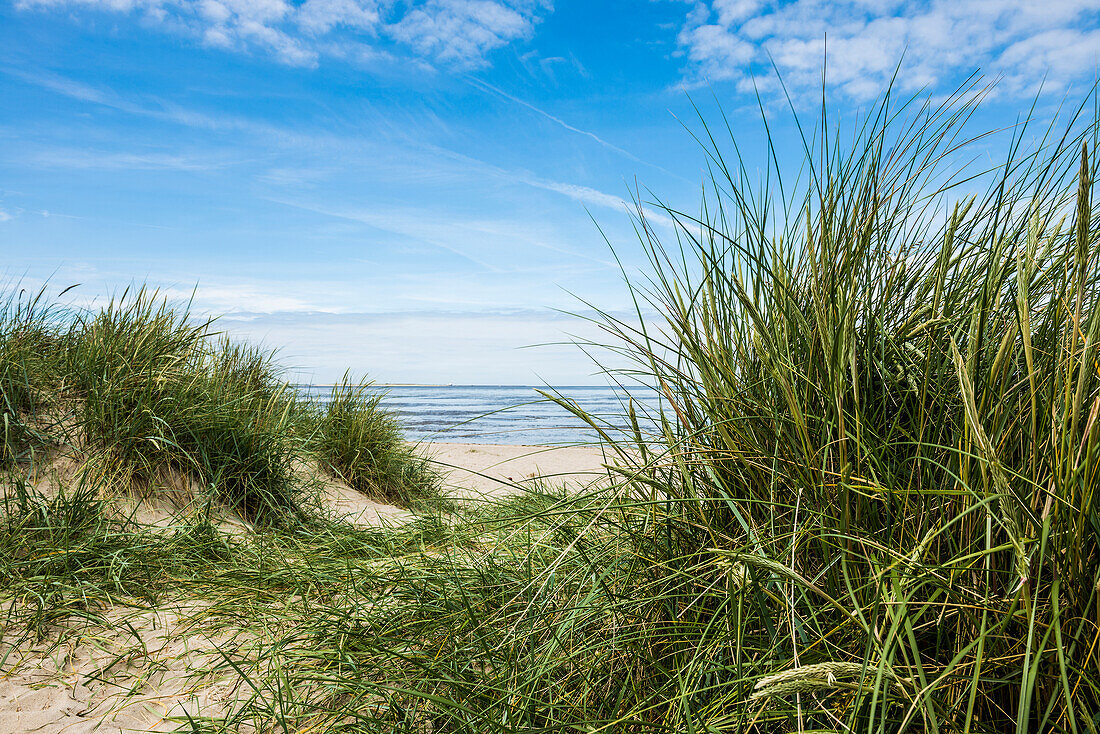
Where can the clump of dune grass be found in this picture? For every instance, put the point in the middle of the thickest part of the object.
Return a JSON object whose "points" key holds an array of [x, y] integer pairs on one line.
{"points": [[27, 344], [156, 389], [139, 387], [868, 504], [61, 556], [881, 395], [358, 441]]}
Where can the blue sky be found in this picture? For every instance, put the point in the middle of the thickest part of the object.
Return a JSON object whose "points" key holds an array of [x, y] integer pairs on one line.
{"points": [[407, 189]]}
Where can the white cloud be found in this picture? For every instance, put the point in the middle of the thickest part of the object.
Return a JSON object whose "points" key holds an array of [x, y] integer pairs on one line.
{"points": [[716, 53], [457, 33], [321, 16], [4, 216], [1057, 49], [863, 41], [462, 32], [251, 298], [735, 11]]}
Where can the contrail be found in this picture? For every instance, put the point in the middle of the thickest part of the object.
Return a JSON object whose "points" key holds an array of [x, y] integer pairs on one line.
{"points": [[487, 87], [496, 90]]}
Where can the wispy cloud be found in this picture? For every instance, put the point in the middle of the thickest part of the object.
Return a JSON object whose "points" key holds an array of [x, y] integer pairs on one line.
{"points": [[464, 32], [590, 196], [455, 33], [153, 109], [253, 298], [935, 40], [90, 159], [297, 176], [67, 87], [5, 217], [584, 194], [490, 245]]}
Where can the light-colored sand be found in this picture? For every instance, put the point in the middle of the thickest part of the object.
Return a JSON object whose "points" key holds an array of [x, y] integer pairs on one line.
{"points": [[146, 675], [496, 470], [145, 672], [356, 508], [473, 472]]}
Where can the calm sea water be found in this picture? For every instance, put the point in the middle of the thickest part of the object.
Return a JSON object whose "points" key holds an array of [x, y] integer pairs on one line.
{"points": [[509, 414]]}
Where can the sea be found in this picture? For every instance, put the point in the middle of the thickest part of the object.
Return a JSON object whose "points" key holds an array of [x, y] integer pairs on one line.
{"points": [[503, 414]]}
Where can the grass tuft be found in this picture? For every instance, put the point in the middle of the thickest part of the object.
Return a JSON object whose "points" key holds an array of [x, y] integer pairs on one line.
{"points": [[156, 389], [138, 388], [27, 343], [361, 443]]}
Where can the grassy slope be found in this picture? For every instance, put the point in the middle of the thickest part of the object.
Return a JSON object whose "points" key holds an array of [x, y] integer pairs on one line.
{"points": [[869, 506], [138, 387]]}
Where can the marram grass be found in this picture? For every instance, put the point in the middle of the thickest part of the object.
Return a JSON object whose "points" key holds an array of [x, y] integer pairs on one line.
{"points": [[362, 444], [139, 387], [881, 397], [26, 345]]}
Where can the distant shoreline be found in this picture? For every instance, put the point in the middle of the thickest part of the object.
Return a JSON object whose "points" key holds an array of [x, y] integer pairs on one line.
{"points": [[456, 384]]}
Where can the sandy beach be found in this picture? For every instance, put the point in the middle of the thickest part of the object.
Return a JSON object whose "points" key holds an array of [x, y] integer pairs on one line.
{"points": [[475, 472], [496, 470]]}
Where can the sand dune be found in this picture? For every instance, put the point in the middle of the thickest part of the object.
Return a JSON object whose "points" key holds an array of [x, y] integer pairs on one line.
{"points": [[147, 678]]}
